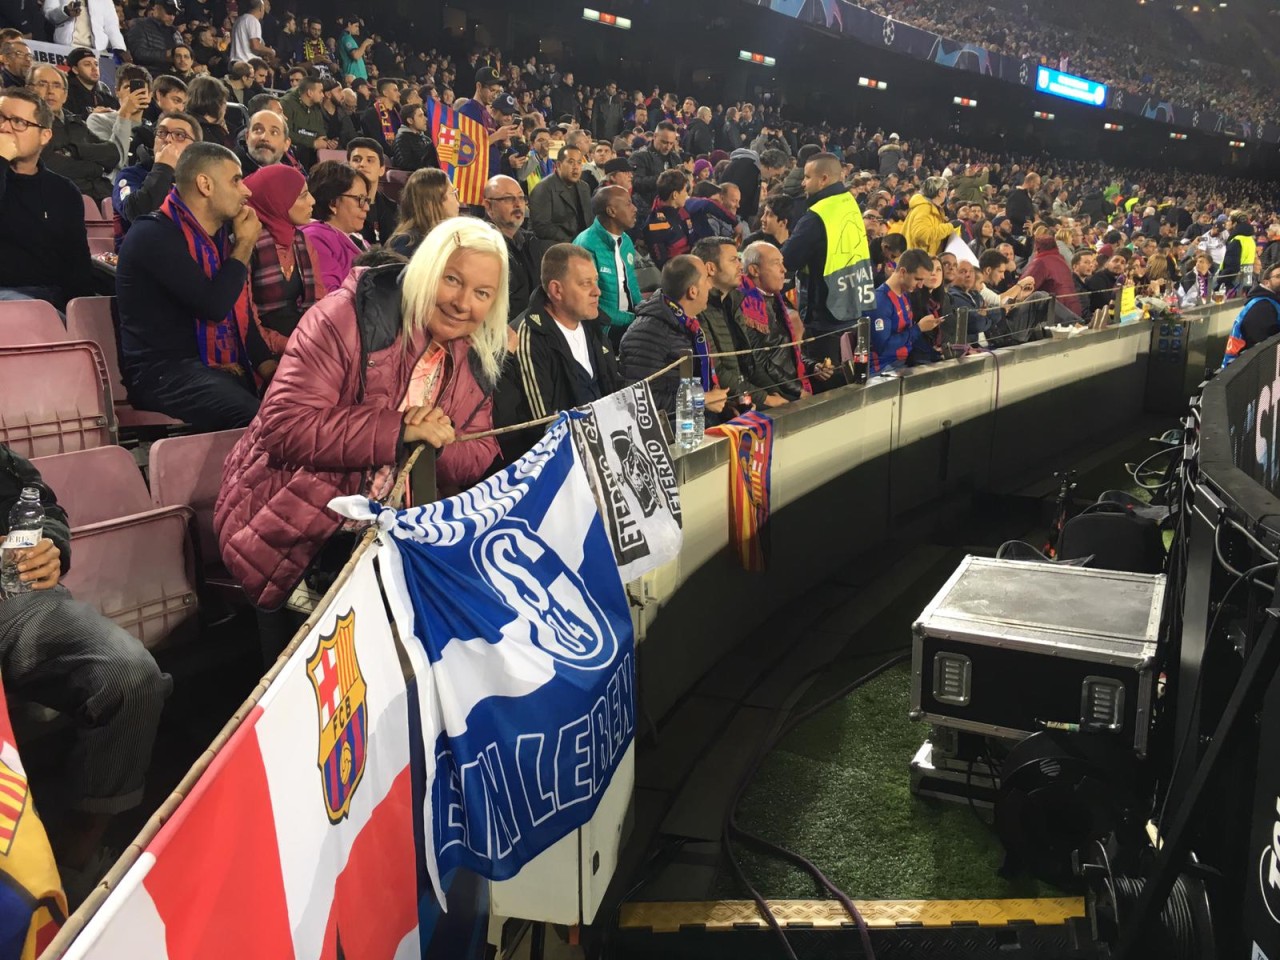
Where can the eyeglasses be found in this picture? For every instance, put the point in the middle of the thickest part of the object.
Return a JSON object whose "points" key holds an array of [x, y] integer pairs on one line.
{"points": [[512, 198], [19, 124], [363, 201], [49, 85], [177, 136]]}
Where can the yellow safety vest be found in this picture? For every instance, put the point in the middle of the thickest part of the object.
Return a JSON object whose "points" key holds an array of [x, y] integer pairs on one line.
{"points": [[847, 271], [1248, 250]]}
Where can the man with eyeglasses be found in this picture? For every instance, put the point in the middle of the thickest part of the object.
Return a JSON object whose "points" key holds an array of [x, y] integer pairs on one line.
{"points": [[15, 63], [141, 188], [504, 207], [44, 249], [73, 152]]}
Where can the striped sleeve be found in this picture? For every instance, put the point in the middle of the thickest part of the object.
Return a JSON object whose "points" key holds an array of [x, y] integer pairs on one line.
{"points": [[529, 375]]}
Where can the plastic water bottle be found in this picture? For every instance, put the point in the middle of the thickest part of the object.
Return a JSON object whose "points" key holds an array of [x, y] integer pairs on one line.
{"points": [[26, 521], [699, 412], [684, 415]]}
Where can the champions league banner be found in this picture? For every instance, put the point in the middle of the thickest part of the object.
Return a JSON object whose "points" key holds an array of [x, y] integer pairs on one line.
{"points": [[850, 20]]}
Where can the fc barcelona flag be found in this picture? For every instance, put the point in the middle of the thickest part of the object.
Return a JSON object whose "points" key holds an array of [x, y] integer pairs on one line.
{"points": [[32, 906], [463, 147]]}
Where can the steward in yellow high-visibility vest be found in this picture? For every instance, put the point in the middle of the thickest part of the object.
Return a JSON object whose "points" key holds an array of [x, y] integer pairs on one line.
{"points": [[828, 248]]}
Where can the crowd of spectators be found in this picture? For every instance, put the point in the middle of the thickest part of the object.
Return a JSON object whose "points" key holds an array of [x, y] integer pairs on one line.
{"points": [[290, 259], [1132, 56]]}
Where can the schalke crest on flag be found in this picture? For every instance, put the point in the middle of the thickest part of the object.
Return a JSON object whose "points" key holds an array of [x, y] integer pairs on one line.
{"points": [[340, 703]]}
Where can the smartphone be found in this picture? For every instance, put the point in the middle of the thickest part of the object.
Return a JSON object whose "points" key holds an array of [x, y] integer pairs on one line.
{"points": [[135, 85]]}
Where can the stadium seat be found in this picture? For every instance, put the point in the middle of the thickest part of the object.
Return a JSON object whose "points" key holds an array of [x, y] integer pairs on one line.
{"points": [[92, 212], [54, 399], [99, 230], [99, 245], [108, 211], [89, 318], [26, 322], [339, 155], [187, 472], [132, 562]]}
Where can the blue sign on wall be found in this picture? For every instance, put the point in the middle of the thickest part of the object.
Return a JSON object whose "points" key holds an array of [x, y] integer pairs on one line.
{"points": [[1072, 88]]}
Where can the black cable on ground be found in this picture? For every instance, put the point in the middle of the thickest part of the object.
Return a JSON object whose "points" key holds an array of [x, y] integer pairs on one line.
{"points": [[785, 724], [1177, 920]]}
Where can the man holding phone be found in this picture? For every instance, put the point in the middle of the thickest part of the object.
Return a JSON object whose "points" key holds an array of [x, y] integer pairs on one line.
{"points": [[133, 93], [85, 23], [86, 93]]}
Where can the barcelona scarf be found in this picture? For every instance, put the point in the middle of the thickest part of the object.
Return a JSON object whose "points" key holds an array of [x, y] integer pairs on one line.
{"points": [[389, 120], [755, 311], [462, 145], [706, 370], [750, 468], [32, 906], [221, 344]]}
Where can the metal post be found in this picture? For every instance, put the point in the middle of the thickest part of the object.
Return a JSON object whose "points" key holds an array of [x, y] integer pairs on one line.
{"points": [[422, 477]]}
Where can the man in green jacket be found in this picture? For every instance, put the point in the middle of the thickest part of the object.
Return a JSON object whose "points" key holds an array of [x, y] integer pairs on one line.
{"points": [[615, 256], [307, 120], [970, 188]]}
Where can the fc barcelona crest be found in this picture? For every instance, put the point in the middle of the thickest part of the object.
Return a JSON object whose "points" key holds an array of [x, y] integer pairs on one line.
{"points": [[342, 713]]}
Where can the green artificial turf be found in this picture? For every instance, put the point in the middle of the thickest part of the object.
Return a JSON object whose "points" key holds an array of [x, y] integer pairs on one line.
{"points": [[837, 790]]}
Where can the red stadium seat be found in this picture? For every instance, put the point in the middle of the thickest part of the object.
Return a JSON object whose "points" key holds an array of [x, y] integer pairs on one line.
{"points": [[187, 472], [89, 318], [108, 211], [97, 230], [339, 155], [26, 322], [53, 399], [92, 212], [99, 245], [130, 561]]}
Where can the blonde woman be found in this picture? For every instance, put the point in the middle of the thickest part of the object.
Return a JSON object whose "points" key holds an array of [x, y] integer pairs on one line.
{"points": [[398, 356], [428, 199]]}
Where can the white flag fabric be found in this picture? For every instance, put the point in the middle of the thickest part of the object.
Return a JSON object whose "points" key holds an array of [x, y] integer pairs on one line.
{"points": [[625, 454], [960, 250], [523, 653]]}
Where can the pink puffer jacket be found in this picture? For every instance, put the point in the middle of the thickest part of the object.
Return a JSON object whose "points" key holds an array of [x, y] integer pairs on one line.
{"points": [[329, 420]]}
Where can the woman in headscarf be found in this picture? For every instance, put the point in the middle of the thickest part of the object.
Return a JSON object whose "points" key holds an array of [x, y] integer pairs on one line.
{"points": [[399, 355], [428, 198], [342, 198], [282, 271]]}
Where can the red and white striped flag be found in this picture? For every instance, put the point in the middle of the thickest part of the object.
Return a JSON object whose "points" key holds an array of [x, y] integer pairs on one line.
{"points": [[298, 842]]}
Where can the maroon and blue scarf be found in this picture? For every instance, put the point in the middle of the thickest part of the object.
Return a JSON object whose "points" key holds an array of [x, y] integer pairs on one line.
{"points": [[750, 482], [221, 344], [694, 329], [755, 310]]}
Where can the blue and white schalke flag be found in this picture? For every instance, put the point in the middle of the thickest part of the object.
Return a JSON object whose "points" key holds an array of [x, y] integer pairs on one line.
{"points": [[524, 653]]}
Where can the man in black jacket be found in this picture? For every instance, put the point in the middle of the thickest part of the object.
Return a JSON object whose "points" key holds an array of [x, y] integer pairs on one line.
{"points": [[504, 205], [648, 162], [560, 205], [44, 250], [665, 329], [86, 91], [564, 99], [413, 149], [1020, 207], [72, 151], [67, 656], [561, 359]]}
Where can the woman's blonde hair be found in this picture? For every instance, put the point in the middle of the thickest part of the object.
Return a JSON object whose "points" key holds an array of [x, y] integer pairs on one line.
{"points": [[422, 202], [422, 279]]}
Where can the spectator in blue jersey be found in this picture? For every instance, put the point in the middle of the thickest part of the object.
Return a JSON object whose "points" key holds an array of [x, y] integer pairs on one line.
{"points": [[668, 233], [894, 331], [351, 50], [141, 188]]}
